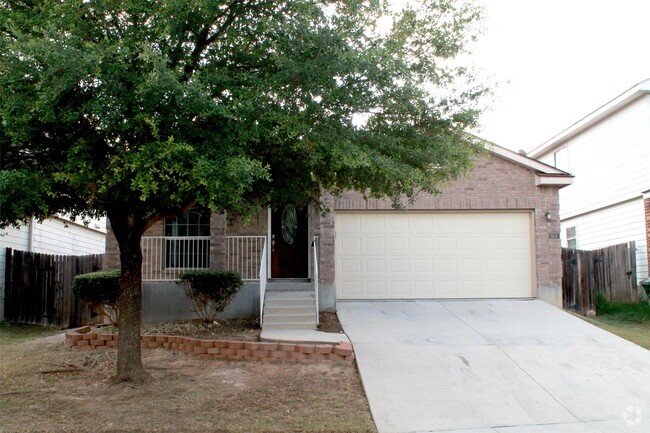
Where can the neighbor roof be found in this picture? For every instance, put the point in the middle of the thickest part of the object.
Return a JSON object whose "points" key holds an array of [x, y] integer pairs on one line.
{"points": [[597, 115]]}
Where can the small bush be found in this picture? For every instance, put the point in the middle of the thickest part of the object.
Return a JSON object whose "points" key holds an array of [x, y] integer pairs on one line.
{"points": [[99, 290], [210, 291]]}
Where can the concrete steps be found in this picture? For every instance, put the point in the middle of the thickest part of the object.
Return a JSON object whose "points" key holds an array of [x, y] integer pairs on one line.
{"points": [[289, 305]]}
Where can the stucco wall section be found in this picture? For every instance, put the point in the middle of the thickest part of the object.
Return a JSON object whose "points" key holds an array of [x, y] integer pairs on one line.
{"points": [[494, 184]]}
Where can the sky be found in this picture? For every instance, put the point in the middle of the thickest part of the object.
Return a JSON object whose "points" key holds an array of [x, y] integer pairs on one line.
{"points": [[552, 62]]}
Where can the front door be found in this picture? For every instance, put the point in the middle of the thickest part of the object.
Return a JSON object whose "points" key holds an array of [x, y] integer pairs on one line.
{"points": [[289, 243]]}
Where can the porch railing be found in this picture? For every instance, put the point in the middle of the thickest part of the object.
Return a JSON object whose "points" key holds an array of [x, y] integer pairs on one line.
{"points": [[315, 277], [263, 279], [244, 255], [164, 258]]}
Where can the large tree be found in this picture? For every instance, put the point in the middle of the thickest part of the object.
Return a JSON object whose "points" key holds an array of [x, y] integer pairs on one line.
{"points": [[142, 109]]}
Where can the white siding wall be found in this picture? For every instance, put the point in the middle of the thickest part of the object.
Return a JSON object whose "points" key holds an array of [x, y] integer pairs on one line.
{"points": [[52, 237], [610, 164], [609, 161], [611, 226], [58, 236]]}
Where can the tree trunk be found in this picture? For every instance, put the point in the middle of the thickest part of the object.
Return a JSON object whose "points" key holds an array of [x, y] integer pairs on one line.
{"points": [[128, 232]]}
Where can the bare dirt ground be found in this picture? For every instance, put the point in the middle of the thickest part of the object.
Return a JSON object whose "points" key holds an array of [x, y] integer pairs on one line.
{"points": [[230, 329], [45, 387]]}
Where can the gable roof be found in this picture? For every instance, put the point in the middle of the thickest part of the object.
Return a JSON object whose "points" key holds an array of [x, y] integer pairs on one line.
{"points": [[544, 174], [625, 98]]}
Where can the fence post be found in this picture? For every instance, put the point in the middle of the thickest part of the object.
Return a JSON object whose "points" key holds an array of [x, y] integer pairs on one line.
{"points": [[8, 283]]}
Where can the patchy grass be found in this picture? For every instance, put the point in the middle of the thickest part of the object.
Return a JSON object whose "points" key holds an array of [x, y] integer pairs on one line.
{"points": [[12, 333], [631, 313], [45, 387], [629, 321]]}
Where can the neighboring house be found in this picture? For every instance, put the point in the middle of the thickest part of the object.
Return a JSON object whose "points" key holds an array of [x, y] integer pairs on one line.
{"points": [[56, 235], [608, 152], [492, 234]]}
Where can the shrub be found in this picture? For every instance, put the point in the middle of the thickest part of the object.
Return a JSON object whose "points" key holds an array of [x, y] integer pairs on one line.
{"points": [[210, 291], [99, 290]]}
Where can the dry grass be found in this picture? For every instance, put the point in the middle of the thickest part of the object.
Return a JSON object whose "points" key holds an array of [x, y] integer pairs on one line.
{"points": [[186, 393]]}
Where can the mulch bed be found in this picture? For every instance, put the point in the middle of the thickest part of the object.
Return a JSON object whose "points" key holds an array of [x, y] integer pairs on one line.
{"points": [[226, 329]]}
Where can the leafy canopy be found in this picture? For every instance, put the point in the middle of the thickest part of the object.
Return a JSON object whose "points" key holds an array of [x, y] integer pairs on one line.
{"points": [[151, 107]]}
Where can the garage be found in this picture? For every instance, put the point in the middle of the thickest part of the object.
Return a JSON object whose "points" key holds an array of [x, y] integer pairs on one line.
{"points": [[434, 255]]}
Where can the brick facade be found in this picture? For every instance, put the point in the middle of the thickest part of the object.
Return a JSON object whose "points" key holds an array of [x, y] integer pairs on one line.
{"points": [[494, 184]]}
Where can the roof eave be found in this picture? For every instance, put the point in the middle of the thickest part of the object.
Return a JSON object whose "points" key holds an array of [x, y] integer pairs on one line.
{"points": [[597, 115], [524, 160], [560, 181]]}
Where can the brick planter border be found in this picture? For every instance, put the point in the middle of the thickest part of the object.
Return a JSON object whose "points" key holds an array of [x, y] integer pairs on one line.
{"points": [[82, 339]]}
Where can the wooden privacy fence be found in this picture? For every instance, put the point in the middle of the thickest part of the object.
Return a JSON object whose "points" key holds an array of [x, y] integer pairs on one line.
{"points": [[609, 271], [38, 288]]}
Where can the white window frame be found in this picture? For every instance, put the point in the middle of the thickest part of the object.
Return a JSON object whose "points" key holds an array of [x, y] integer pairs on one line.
{"points": [[571, 238]]}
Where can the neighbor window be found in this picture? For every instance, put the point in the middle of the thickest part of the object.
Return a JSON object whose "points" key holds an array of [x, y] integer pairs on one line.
{"points": [[571, 238], [187, 243]]}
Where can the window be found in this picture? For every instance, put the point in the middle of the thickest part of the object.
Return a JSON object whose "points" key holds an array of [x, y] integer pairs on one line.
{"points": [[572, 238], [191, 248]]}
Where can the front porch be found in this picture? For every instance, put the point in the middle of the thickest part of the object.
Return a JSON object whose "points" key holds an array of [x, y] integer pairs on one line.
{"points": [[284, 304]]}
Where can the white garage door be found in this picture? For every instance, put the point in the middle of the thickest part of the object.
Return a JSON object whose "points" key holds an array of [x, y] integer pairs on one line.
{"points": [[402, 255]]}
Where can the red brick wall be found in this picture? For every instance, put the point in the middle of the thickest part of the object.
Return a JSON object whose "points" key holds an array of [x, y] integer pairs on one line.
{"points": [[495, 183]]}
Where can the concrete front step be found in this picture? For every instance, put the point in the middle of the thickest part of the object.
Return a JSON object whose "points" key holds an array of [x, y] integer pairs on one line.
{"points": [[290, 303], [288, 326], [289, 318], [289, 286], [288, 295], [290, 309]]}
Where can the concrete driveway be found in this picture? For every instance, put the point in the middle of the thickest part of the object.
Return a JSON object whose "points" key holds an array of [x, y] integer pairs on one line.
{"points": [[495, 366]]}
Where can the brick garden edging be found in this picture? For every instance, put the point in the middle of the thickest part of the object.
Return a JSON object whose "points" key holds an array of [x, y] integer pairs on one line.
{"points": [[83, 339]]}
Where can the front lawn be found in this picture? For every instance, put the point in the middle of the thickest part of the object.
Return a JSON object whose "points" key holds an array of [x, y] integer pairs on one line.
{"points": [[11, 333], [629, 321], [45, 387]]}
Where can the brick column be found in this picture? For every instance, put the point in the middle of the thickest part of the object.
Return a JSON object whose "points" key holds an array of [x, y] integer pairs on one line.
{"points": [[218, 224]]}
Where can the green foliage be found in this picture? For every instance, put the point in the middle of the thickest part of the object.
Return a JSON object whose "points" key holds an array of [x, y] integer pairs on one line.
{"points": [[210, 291], [633, 313], [100, 290], [141, 110], [158, 106]]}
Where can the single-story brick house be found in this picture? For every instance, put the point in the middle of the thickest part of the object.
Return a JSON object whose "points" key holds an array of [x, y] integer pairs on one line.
{"points": [[491, 234]]}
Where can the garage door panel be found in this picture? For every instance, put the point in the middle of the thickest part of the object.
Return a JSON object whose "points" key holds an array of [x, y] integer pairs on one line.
{"points": [[399, 288], [387, 255], [375, 244], [400, 244], [350, 244]]}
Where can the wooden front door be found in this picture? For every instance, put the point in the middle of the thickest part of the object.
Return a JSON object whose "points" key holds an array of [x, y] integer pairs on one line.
{"points": [[289, 243]]}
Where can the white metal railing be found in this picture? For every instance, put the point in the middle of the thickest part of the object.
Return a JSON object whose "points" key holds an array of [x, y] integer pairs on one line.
{"points": [[244, 255], [263, 279], [315, 276], [164, 258]]}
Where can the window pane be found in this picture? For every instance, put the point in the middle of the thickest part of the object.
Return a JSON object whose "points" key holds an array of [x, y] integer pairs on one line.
{"points": [[188, 253], [571, 232]]}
